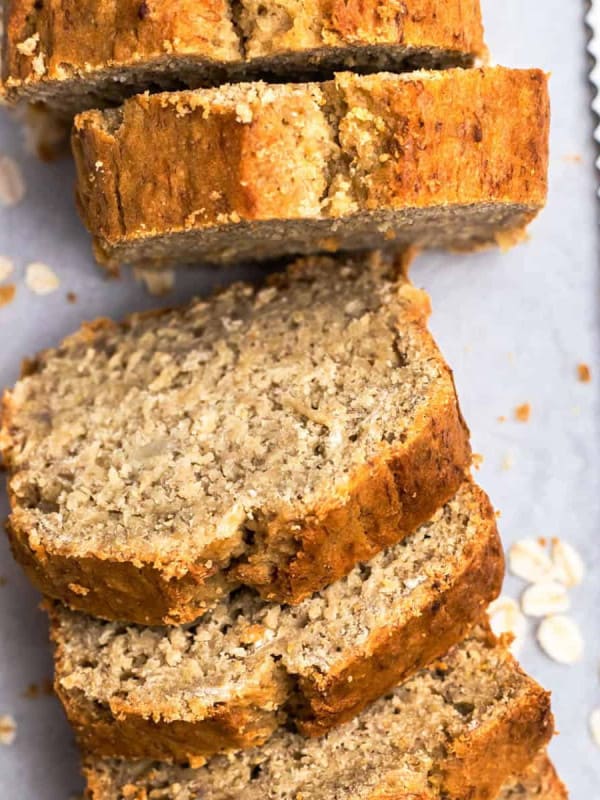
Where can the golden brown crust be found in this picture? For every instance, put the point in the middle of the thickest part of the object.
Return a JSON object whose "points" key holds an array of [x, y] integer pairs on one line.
{"points": [[316, 700], [393, 653], [540, 781], [73, 54], [422, 157]]}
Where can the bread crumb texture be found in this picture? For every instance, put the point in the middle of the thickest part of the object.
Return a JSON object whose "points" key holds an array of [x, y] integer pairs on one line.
{"points": [[584, 373], [458, 729], [72, 55], [523, 412], [271, 436], [8, 729], [427, 159], [176, 693]]}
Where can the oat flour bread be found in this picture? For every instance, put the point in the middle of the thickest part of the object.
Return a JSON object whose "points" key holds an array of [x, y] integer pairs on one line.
{"points": [[249, 666], [459, 729], [270, 437], [76, 54], [251, 171]]}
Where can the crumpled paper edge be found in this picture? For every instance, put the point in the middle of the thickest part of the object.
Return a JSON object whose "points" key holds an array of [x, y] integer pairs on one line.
{"points": [[593, 21]]}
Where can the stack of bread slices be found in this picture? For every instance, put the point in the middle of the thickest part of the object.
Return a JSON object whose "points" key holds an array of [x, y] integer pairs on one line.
{"points": [[265, 562]]}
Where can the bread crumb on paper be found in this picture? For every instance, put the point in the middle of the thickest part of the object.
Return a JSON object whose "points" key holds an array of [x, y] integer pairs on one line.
{"points": [[35, 690], [8, 729], [12, 185], [157, 282], [41, 279], [584, 373], [6, 268], [7, 294], [71, 297], [523, 412], [477, 460]]}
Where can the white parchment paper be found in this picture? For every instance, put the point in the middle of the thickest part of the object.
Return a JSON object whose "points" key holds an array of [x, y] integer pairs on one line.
{"points": [[514, 327]]}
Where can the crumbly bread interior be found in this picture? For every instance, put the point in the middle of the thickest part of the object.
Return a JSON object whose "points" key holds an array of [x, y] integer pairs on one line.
{"points": [[406, 736], [178, 435], [181, 673]]}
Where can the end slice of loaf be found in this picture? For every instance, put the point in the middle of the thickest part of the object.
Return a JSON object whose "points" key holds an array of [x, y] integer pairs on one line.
{"points": [[459, 729], [228, 681], [75, 55], [273, 437], [257, 171]]}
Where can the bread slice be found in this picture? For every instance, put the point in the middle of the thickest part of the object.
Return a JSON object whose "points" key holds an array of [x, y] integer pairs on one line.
{"points": [[255, 171], [270, 437], [249, 666], [75, 55], [459, 729]]}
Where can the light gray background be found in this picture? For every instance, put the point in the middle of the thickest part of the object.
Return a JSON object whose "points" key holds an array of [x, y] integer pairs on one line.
{"points": [[514, 326]]}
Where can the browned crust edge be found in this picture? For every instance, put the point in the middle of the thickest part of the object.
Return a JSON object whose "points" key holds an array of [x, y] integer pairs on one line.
{"points": [[316, 702], [453, 30]]}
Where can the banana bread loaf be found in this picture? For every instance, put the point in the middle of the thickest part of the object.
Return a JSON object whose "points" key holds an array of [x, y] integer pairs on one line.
{"points": [[271, 437], [228, 681], [538, 782], [255, 171], [76, 54], [459, 729]]}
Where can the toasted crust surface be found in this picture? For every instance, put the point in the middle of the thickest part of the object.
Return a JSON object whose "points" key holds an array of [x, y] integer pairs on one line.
{"points": [[76, 54], [413, 607], [539, 782], [459, 729], [430, 159], [140, 529]]}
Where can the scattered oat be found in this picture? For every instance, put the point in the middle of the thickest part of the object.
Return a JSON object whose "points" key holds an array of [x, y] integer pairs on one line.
{"points": [[12, 185], [584, 373], [40, 278], [545, 598], [7, 294], [595, 725], [6, 268], [560, 638], [529, 560], [506, 617], [569, 568], [477, 460], [523, 412], [508, 462], [502, 418], [157, 282], [8, 729], [71, 297]]}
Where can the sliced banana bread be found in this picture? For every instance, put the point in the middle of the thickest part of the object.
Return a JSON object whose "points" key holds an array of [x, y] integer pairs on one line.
{"points": [[249, 666], [458, 729], [273, 437], [254, 171], [76, 54]]}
